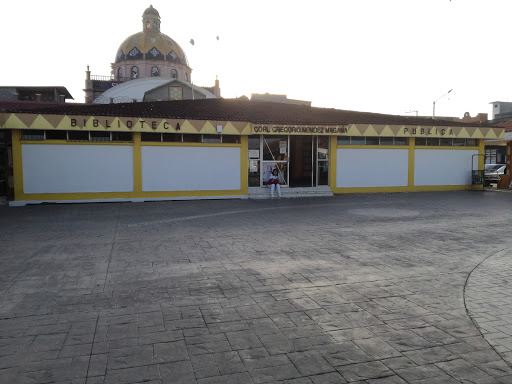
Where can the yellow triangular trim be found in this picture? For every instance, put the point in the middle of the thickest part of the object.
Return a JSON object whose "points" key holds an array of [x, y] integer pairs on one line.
{"points": [[14, 122], [41, 123], [490, 134], [230, 129], [463, 134], [247, 130], [208, 128], [120, 126], [370, 131], [353, 131], [65, 123], [387, 131], [161, 127], [186, 127]]}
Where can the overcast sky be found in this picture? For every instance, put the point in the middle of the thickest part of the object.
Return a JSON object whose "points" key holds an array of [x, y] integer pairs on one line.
{"points": [[386, 56]]}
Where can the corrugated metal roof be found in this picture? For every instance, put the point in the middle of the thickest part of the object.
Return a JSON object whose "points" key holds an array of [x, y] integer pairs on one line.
{"points": [[257, 112]]}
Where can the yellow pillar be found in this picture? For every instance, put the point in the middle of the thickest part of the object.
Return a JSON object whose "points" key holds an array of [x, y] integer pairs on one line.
{"points": [[17, 164], [333, 152], [412, 149], [137, 164], [481, 152], [244, 170]]}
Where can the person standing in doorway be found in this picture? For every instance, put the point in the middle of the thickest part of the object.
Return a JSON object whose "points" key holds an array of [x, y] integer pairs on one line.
{"points": [[273, 181]]}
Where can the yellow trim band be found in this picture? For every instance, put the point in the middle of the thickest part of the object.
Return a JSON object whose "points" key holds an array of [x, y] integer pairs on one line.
{"points": [[419, 188], [410, 170], [375, 146], [64, 142], [333, 159], [177, 144], [124, 195], [137, 163], [447, 147], [244, 166], [17, 163]]}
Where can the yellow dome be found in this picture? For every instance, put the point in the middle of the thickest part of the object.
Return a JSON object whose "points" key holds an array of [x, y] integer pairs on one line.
{"points": [[154, 45]]}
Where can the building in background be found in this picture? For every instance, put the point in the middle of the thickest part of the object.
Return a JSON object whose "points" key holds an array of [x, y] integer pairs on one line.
{"points": [[144, 56], [278, 99], [501, 115], [18, 97], [34, 94]]}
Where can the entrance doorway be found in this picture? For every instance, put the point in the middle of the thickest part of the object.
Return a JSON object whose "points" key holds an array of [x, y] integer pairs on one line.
{"points": [[302, 159]]}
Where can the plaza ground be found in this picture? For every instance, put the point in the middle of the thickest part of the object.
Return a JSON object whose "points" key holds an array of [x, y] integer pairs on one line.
{"points": [[375, 288]]}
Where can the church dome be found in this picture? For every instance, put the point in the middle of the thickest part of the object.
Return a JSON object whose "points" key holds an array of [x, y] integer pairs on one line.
{"points": [[151, 11], [150, 44]]}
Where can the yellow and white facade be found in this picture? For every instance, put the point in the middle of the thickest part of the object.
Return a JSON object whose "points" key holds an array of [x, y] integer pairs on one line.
{"points": [[84, 158]]}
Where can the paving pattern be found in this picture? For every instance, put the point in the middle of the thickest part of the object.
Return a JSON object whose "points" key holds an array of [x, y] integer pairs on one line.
{"points": [[489, 301], [359, 289]]}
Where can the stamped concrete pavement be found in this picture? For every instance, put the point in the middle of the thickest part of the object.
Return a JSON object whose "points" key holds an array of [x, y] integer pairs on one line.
{"points": [[357, 288]]}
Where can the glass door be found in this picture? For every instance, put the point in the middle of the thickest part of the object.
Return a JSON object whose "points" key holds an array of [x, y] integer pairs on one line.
{"points": [[302, 155], [322, 160], [275, 156]]}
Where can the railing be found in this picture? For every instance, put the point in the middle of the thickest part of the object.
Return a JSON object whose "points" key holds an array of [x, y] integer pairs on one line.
{"points": [[102, 78], [110, 78], [477, 177]]}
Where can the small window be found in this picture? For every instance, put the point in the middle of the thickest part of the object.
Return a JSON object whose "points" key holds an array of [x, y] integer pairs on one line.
{"points": [[355, 140], [459, 142], [212, 139], [372, 141], [56, 135], [231, 139], [386, 141], [186, 76], [343, 140], [401, 141], [32, 134], [191, 138], [148, 25], [100, 136], [174, 74], [119, 73], [150, 136], [433, 141], [155, 72], [421, 141], [122, 136], [446, 142], [171, 137], [471, 143], [78, 135], [135, 72]]}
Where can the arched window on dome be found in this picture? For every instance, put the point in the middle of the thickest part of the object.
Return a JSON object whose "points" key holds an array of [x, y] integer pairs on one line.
{"points": [[148, 25], [186, 76], [135, 72], [155, 72], [119, 73], [174, 74]]}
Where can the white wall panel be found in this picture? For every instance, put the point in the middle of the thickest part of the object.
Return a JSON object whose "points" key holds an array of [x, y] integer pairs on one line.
{"points": [[443, 166], [54, 168], [190, 168], [372, 167]]}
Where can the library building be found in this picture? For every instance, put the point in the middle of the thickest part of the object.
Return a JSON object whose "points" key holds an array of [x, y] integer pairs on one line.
{"points": [[228, 148]]}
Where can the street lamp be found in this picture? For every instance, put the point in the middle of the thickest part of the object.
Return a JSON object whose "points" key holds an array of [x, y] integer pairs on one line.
{"points": [[434, 103]]}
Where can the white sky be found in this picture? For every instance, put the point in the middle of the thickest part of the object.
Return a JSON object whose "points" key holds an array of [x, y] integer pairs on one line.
{"points": [[386, 56]]}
